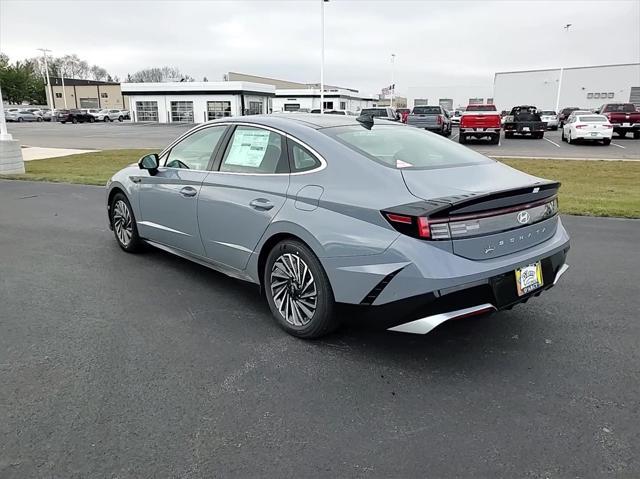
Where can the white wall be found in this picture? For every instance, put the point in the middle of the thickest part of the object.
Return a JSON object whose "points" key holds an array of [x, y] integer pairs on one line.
{"points": [[351, 104], [460, 94], [540, 88]]}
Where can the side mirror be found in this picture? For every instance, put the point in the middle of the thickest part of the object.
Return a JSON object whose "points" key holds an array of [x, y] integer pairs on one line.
{"points": [[150, 163]]}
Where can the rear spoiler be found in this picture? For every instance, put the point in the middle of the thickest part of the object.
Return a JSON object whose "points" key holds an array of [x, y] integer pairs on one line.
{"points": [[478, 202]]}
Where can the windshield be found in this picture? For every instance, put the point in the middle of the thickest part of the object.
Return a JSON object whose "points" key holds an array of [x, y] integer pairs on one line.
{"points": [[481, 108], [624, 107], [405, 147], [426, 110], [375, 112]]}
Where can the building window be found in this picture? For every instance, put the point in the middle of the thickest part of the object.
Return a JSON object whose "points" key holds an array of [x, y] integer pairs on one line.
{"points": [[328, 105], [291, 106], [147, 111], [343, 105], [58, 95], [89, 103], [218, 109], [609, 95], [489, 101], [589, 96], [104, 95], [255, 108], [596, 95], [182, 111], [476, 101], [420, 102]]}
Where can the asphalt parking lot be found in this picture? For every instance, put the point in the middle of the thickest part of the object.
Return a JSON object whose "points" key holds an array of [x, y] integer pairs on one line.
{"points": [[118, 365], [100, 136]]}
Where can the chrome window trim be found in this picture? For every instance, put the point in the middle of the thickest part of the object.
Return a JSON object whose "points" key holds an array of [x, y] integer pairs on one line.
{"points": [[319, 157]]}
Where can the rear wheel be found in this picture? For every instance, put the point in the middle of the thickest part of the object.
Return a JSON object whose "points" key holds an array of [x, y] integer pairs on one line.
{"points": [[606, 141], [562, 137], [120, 118], [20, 120], [124, 224], [39, 119], [74, 120], [91, 119], [298, 291], [462, 139], [508, 134], [495, 139], [569, 140], [107, 119]]}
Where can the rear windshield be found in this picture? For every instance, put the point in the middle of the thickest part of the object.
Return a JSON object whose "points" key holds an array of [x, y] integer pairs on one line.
{"points": [[548, 113], [426, 110], [566, 111], [593, 118], [626, 107], [375, 112], [481, 108], [405, 147]]}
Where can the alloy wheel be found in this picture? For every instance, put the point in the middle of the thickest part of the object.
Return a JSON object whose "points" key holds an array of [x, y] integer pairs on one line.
{"points": [[293, 289], [122, 222]]}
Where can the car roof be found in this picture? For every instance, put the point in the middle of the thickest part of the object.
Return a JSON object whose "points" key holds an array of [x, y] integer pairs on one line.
{"points": [[312, 120]]}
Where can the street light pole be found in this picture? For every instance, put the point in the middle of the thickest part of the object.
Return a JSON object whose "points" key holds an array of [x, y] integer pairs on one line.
{"points": [[4, 135], [393, 82], [566, 29], [49, 86], [64, 94], [322, 2]]}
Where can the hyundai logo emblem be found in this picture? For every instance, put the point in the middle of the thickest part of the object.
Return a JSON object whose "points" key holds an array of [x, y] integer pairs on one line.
{"points": [[523, 217]]}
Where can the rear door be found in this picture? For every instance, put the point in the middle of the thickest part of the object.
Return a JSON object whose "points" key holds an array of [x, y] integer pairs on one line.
{"points": [[239, 200], [169, 200]]}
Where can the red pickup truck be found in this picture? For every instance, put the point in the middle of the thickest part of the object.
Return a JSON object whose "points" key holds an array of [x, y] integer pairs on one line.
{"points": [[480, 121], [623, 117]]}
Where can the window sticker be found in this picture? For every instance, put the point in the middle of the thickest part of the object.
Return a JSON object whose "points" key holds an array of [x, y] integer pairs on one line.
{"points": [[248, 148]]}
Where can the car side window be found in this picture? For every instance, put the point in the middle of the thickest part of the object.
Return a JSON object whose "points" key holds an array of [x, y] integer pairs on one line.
{"points": [[255, 150], [195, 151], [302, 159]]}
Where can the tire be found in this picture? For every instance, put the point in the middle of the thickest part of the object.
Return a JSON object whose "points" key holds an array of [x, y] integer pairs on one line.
{"points": [[562, 137], [20, 120], [312, 316], [606, 141], [74, 120], [569, 140], [91, 119], [38, 119], [63, 122], [636, 135], [124, 224], [120, 118], [622, 134], [107, 119], [462, 139], [508, 134], [495, 139]]}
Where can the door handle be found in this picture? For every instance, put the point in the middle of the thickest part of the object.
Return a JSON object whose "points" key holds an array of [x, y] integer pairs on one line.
{"points": [[188, 191], [261, 204]]}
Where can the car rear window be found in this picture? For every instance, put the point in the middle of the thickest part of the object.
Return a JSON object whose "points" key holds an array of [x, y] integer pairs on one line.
{"points": [[405, 147], [548, 113], [375, 112], [593, 118], [481, 108], [426, 110], [625, 107]]}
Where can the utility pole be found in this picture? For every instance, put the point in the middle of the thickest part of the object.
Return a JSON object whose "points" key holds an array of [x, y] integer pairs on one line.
{"points": [[566, 29], [49, 86], [393, 82], [322, 2], [64, 93]]}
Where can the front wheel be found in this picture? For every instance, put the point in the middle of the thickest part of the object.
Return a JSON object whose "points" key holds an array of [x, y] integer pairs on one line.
{"points": [[606, 141], [562, 137], [20, 120], [107, 119], [91, 119], [462, 139], [120, 118], [38, 119], [298, 291], [569, 140], [124, 224]]}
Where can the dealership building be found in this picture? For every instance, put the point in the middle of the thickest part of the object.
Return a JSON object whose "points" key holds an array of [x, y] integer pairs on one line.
{"points": [[196, 102], [78, 93], [585, 87]]}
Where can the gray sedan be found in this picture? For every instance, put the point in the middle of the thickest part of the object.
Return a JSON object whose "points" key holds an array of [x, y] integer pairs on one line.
{"points": [[326, 209], [22, 115]]}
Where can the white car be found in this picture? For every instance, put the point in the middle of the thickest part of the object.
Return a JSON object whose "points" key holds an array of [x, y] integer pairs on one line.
{"points": [[551, 117], [587, 127], [109, 115]]}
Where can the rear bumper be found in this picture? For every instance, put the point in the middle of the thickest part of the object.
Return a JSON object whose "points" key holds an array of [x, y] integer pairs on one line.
{"points": [[479, 131], [626, 127]]}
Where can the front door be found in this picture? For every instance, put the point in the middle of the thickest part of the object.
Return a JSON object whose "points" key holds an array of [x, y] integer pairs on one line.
{"points": [[169, 199], [238, 201]]}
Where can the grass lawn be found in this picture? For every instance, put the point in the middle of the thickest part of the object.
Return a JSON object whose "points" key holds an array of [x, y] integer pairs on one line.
{"points": [[595, 188]]}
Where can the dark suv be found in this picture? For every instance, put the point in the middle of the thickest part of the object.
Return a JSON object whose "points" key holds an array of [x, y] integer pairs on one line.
{"points": [[75, 116]]}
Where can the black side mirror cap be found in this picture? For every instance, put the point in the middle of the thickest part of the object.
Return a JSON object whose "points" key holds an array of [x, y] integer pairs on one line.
{"points": [[149, 162]]}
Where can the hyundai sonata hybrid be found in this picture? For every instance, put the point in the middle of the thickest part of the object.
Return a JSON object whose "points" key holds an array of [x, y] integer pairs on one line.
{"points": [[324, 209]]}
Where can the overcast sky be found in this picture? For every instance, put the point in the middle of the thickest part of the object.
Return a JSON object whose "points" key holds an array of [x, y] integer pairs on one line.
{"points": [[436, 43]]}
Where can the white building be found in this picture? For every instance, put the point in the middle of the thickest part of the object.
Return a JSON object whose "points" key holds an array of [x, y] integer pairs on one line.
{"points": [[306, 99], [585, 87], [196, 102]]}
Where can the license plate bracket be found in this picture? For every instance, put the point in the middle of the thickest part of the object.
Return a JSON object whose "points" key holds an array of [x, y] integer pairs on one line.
{"points": [[529, 278]]}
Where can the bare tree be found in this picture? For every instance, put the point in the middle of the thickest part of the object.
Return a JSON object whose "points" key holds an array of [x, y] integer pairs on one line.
{"points": [[158, 74]]}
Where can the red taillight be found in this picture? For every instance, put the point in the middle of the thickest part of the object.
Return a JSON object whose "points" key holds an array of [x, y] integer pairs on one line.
{"points": [[581, 126], [439, 120], [406, 220], [423, 227], [607, 126]]}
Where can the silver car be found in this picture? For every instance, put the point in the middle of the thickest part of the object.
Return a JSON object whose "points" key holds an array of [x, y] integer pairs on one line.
{"points": [[326, 209], [109, 115], [22, 115]]}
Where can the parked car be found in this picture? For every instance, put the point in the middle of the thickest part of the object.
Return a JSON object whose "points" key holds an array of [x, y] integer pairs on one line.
{"points": [[385, 113], [447, 230], [564, 114], [524, 120], [47, 115], [587, 126], [624, 118], [109, 115], [21, 115], [432, 118], [126, 114], [74, 116], [404, 113], [480, 121], [550, 117], [91, 111]]}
